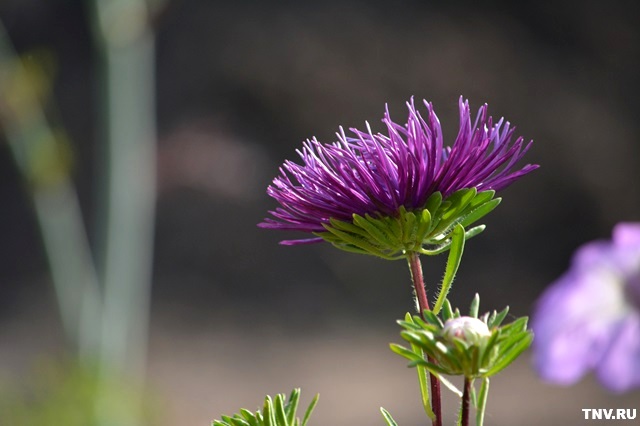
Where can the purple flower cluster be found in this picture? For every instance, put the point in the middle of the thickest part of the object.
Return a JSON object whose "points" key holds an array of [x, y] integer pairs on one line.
{"points": [[590, 317], [378, 173]]}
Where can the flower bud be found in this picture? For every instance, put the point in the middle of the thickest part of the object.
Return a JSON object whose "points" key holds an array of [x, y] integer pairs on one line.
{"points": [[468, 329]]}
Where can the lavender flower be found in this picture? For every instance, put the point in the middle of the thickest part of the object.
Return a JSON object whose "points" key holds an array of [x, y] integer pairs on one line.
{"points": [[386, 175], [590, 317]]}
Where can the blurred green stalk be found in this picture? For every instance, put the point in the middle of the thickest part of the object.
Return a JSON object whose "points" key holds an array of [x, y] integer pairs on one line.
{"points": [[126, 46], [39, 154], [108, 324]]}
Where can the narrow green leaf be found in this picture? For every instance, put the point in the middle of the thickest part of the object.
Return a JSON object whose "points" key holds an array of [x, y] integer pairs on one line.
{"points": [[450, 386], [404, 352], [375, 232], [424, 385], [279, 413], [499, 317], [351, 239], [474, 231], [475, 306], [447, 313], [432, 368], [348, 227], [459, 200], [424, 223], [481, 198], [307, 413], [482, 401], [432, 318], [512, 354], [480, 212], [453, 262], [396, 229], [387, 417], [249, 417], [292, 405], [409, 227], [267, 412], [433, 202], [488, 348], [237, 421]]}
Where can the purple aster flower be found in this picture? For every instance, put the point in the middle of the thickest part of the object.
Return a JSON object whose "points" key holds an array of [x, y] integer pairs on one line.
{"points": [[388, 174], [590, 317]]}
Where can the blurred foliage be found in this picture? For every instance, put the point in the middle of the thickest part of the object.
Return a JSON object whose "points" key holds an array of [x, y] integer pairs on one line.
{"points": [[63, 393]]}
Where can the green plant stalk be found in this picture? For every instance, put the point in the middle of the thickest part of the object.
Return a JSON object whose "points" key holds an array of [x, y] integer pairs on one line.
{"points": [[415, 266], [126, 45], [482, 401], [57, 209]]}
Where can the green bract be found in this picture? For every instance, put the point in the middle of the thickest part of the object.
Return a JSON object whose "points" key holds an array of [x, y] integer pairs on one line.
{"points": [[442, 353], [275, 412], [426, 231]]}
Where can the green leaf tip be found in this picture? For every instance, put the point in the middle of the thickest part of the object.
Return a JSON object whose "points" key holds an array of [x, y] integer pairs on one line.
{"points": [[388, 418]]}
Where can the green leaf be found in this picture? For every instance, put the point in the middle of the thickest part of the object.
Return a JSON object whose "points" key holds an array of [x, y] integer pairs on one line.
{"points": [[249, 417], [292, 406], [353, 240], [433, 202], [499, 318], [424, 223], [474, 231], [368, 225], [280, 415], [432, 318], [432, 368], [511, 355], [482, 401], [480, 212], [453, 262], [450, 386], [267, 411], [481, 198], [447, 313], [475, 306], [307, 413], [404, 352], [459, 200], [387, 417]]}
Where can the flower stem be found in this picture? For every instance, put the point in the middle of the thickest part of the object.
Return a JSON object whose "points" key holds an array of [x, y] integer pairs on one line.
{"points": [[466, 395], [415, 266]]}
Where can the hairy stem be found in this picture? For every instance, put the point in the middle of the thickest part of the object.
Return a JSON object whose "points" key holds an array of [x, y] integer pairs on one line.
{"points": [[418, 284], [466, 395]]}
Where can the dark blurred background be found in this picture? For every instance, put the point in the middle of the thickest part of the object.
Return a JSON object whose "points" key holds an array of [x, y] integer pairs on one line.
{"points": [[239, 86]]}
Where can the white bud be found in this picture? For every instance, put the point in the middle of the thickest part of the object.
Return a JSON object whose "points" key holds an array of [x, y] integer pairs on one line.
{"points": [[468, 329]]}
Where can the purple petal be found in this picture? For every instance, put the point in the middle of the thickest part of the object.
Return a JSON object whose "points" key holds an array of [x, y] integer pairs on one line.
{"points": [[619, 370]]}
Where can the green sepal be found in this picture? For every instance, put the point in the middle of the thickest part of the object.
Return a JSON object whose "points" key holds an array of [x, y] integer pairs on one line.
{"points": [[427, 230]]}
